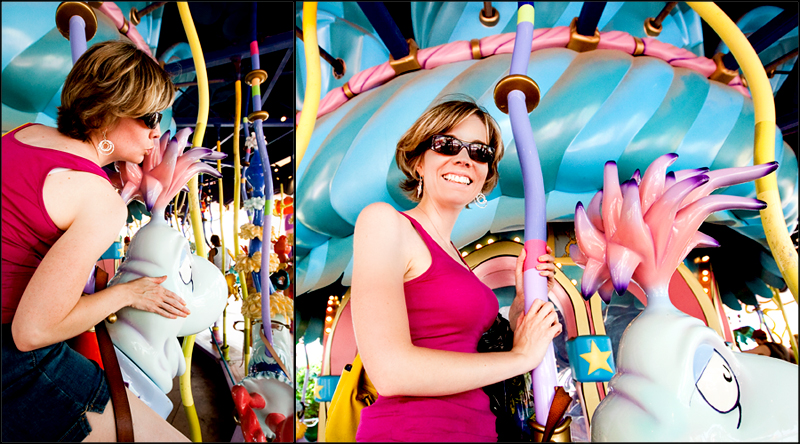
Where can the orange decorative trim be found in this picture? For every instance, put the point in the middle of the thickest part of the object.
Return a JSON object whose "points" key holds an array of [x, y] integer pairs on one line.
{"points": [[639, 50], [475, 44], [347, 91]]}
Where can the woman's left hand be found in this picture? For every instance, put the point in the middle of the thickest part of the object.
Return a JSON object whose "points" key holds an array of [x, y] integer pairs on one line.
{"points": [[546, 268]]}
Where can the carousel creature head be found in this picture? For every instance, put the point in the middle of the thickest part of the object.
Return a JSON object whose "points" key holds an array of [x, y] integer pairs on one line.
{"points": [[148, 339], [266, 378], [676, 379]]}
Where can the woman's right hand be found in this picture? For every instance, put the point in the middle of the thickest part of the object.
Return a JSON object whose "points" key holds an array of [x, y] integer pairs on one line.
{"points": [[534, 332], [147, 294]]}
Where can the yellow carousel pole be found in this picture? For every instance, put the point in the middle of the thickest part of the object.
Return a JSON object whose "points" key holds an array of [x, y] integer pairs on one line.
{"points": [[237, 184], [194, 205], [175, 211], [313, 81], [772, 219], [222, 243], [777, 297]]}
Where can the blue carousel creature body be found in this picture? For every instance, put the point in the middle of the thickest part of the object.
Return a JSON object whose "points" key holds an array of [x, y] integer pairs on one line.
{"points": [[149, 340], [676, 379]]}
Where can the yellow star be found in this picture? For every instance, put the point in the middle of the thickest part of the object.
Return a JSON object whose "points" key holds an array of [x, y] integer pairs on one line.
{"points": [[597, 360]]}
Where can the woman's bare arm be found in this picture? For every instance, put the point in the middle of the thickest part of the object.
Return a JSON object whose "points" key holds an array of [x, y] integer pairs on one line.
{"points": [[51, 308], [762, 350], [380, 321]]}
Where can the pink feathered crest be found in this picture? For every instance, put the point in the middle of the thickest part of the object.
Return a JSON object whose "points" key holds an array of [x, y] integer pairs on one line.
{"points": [[165, 171], [642, 229]]}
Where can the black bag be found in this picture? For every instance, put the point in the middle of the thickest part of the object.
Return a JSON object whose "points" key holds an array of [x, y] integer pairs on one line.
{"points": [[505, 397]]}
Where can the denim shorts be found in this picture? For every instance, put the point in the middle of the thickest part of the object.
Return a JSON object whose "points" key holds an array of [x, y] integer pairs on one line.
{"points": [[47, 392]]}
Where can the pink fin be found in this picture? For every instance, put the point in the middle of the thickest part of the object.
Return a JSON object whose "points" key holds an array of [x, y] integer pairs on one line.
{"points": [[594, 211], [612, 198], [622, 262], [591, 241], [652, 185]]}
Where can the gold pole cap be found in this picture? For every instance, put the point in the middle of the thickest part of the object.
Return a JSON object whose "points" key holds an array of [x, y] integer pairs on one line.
{"points": [[516, 82], [112, 318], [65, 12]]}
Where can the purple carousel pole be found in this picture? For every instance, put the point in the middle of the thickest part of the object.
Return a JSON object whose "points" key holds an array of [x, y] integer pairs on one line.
{"points": [[517, 94]]}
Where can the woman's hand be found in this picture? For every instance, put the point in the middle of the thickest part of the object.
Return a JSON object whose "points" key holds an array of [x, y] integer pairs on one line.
{"points": [[546, 268], [534, 332], [147, 294]]}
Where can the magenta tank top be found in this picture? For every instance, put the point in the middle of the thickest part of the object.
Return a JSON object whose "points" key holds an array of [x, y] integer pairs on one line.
{"points": [[449, 308], [28, 233]]}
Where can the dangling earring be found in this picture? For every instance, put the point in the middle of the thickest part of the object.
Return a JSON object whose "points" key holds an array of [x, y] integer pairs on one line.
{"points": [[480, 200], [419, 188], [105, 146]]}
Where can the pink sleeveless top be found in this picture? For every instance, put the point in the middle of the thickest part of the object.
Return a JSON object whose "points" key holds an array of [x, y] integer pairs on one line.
{"points": [[449, 308], [28, 233]]}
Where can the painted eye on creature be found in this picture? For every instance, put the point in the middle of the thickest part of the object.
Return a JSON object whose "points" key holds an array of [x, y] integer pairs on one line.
{"points": [[715, 381], [185, 269]]}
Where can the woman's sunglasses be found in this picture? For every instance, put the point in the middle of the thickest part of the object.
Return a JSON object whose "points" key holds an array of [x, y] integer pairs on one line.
{"points": [[450, 146], [151, 120]]}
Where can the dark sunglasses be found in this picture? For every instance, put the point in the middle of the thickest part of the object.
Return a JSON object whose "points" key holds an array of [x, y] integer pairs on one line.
{"points": [[450, 146], [151, 120]]}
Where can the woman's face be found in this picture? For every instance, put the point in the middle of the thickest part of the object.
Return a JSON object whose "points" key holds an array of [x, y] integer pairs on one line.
{"points": [[455, 180], [132, 140]]}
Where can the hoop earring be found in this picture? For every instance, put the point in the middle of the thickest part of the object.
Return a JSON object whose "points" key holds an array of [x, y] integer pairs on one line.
{"points": [[419, 188], [105, 146], [480, 200]]}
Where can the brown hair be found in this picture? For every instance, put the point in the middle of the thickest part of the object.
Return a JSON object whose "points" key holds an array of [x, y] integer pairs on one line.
{"points": [[438, 120], [111, 80]]}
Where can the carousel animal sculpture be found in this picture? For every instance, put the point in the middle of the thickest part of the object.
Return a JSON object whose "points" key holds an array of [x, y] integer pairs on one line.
{"points": [[273, 418], [676, 379], [148, 339]]}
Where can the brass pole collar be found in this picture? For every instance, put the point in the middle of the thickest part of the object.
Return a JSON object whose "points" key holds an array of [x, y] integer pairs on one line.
{"points": [[337, 75], [407, 63], [581, 43], [560, 434], [255, 77], [134, 15], [516, 82], [650, 27], [491, 20], [263, 115], [722, 73], [65, 12]]}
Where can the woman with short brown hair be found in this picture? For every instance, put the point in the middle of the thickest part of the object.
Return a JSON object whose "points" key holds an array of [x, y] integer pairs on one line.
{"points": [[418, 310], [60, 213]]}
